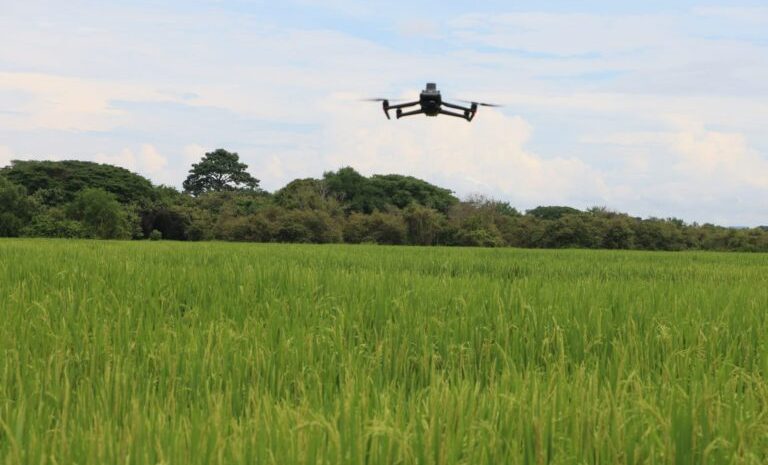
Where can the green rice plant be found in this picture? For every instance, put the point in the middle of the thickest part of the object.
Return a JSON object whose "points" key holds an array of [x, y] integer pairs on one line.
{"points": [[178, 353]]}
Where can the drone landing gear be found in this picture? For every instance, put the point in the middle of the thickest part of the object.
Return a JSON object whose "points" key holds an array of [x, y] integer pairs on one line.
{"points": [[468, 114], [387, 107]]}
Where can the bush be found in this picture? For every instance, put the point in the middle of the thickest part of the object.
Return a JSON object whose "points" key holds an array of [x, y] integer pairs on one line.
{"points": [[387, 228], [482, 237], [173, 222], [15, 208], [155, 235], [378, 227], [102, 215], [53, 222], [251, 228], [423, 224], [307, 226]]}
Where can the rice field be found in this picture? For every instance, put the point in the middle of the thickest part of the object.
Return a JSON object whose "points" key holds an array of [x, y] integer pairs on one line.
{"points": [[216, 353]]}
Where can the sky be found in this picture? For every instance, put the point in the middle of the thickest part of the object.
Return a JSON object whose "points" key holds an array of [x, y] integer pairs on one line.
{"points": [[655, 109]]}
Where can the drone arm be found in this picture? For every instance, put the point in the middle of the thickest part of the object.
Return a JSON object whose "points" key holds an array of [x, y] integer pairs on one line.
{"points": [[402, 105], [467, 114], [400, 113], [456, 107], [386, 106]]}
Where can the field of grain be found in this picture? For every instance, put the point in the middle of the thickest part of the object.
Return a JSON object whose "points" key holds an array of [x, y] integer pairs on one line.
{"points": [[147, 353]]}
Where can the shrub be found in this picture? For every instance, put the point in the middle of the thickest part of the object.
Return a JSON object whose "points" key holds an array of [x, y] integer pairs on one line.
{"points": [[53, 222], [378, 227], [15, 208], [102, 215]]}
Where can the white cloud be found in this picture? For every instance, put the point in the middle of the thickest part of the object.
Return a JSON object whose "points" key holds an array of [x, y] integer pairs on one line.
{"points": [[689, 171], [151, 161], [5, 156], [126, 159], [69, 103], [756, 15], [714, 160], [146, 161], [545, 32], [720, 161], [193, 153], [419, 28]]}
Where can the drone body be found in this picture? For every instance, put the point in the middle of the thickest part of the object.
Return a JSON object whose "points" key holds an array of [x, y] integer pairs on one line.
{"points": [[431, 104]]}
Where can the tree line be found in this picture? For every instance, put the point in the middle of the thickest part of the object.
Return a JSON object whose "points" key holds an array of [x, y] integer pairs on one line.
{"points": [[222, 201]]}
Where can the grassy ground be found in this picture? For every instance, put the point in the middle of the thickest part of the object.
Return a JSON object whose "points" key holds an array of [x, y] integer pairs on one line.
{"points": [[145, 353]]}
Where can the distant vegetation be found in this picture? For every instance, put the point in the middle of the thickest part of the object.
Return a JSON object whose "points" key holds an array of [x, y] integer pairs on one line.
{"points": [[222, 201]]}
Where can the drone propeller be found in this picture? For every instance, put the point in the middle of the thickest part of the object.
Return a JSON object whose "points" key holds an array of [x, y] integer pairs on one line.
{"points": [[382, 100], [482, 104]]}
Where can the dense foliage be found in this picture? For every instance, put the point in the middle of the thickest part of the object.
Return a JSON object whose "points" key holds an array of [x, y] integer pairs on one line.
{"points": [[224, 202], [217, 353], [56, 182]]}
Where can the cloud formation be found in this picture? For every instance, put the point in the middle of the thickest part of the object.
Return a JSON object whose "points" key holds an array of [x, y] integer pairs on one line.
{"points": [[67, 103], [654, 111], [147, 161], [5, 156]]}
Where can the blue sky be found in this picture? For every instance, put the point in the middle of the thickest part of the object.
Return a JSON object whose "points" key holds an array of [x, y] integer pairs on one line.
{"points": [[656, 109]]}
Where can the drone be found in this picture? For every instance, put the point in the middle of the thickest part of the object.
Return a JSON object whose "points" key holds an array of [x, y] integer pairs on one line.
{"points": [[432, 104]]}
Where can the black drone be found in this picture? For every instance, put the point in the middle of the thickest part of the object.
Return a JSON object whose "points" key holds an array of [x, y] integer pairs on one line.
{"points": [[432, 105]]}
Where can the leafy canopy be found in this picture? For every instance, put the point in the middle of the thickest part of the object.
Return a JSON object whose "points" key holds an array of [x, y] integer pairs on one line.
{"points": [[552, 212], [361, 194], [15, 208], [219, 171], [57, 182]]}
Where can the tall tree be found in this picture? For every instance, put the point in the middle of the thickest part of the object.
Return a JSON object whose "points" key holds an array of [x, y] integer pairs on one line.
{"points": [[15, 208], [217, 171]]}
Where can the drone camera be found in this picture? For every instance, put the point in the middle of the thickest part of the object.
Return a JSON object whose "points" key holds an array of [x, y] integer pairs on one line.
{"points": [[431, 86]]}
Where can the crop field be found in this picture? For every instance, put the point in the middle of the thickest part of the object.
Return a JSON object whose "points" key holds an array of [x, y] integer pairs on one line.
{"points": [[205, 353]]}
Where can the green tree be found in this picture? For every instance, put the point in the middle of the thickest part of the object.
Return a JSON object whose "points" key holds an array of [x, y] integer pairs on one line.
{"points": [[101, 215], [307, 226], [217, 171], [58, 182], [571, 230], [551, 213], [53, 222], [16, 208], [618, 233], [423, 224], [481, 236], [526, 231], [378, 227], [401, 191], [355, 192], [307, 194]]}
